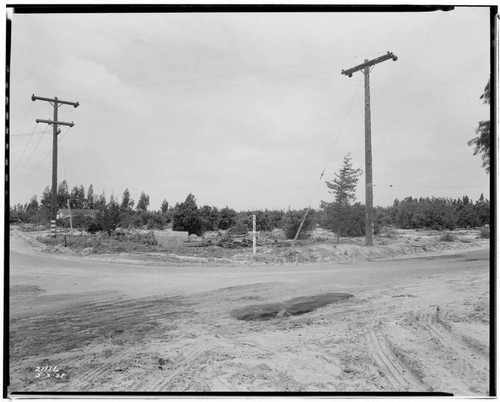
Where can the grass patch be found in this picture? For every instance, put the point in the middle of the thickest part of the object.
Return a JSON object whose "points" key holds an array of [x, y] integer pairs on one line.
{"points": [[103, 244]]}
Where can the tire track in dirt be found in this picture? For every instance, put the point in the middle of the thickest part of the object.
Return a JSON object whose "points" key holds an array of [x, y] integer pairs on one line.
{"points": [[396, 373], [122, 323], [89, 376], [189, 359], [449, 341]]}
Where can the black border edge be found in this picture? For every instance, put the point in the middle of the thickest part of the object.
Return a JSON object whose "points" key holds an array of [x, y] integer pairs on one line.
{"points": [[6, 270], [220, 8], [228, 8], [234, 394], [493, 199]]}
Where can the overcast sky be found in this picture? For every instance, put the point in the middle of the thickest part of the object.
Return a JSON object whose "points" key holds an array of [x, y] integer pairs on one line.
{"points": [[248, 109]]}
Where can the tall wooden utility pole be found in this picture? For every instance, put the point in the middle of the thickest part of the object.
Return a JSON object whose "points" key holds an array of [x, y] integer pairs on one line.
{"points": [[365, 67], [55, 123]]}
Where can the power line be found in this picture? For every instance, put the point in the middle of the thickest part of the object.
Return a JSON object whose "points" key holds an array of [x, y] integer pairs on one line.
{"points": [[34, 149], [25, 134], [266, 70], [46, 156], [25, 147], [341, 127], [209, 88], [421, 106], [434, 79], [281, 66], [326, 164], [433, 186]]}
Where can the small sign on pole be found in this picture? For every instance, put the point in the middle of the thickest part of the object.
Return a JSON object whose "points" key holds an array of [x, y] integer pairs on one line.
{"points": [[254, 235]]}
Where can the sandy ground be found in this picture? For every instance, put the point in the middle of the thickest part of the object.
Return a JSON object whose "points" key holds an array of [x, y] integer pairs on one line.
{"points": [[415, 324]]}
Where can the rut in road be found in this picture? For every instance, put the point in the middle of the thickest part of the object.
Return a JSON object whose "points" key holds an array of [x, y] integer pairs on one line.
{"points": [[397, 374], [455, 346]]}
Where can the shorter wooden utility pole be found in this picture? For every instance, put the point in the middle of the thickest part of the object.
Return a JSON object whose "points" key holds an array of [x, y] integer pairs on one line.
{"points": [[55, 102], [365, 67]]}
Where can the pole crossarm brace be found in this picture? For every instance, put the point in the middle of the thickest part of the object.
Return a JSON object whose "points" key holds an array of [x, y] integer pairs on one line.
{"points": [[55, 100], [61, 123], [368, 63]]}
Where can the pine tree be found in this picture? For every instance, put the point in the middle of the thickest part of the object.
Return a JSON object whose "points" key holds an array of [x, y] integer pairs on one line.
{"points": [[62, 195], [90, 197], [164, 207], [343, 187], [127, 203], [142, 205]]}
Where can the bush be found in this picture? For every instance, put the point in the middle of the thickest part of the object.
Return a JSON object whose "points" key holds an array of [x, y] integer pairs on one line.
{"points": [[241, 227], [292, 220], [93, 227], [484, 233], [346, 220], [448, 237]]}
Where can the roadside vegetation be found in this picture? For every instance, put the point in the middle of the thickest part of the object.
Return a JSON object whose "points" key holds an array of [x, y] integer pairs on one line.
{"points": [[120, 220], [343, 219]]}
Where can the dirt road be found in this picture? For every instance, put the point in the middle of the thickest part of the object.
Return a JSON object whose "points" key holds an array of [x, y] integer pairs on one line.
{"points": [[411, 325]]}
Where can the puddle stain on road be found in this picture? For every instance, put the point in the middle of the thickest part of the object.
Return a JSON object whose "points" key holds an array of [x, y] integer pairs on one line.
{"points": [[295, 306]]}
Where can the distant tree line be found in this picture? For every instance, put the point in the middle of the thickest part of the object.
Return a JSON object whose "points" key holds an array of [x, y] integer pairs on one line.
{"points": [[341, 216], [435, 213]]}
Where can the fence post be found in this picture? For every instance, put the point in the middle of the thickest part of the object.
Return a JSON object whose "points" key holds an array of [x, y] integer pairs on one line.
{"points": [[254, 233]]}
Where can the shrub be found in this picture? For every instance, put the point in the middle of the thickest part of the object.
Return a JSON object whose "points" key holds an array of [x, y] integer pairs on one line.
{"points": [[93, 227], [345, 220], [292, 220], [241, 227], [447, 237], [484, 233], [388, 231]]}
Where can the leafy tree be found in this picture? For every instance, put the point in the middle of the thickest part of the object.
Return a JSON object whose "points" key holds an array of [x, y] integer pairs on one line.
{"points": [[164, 207], [127, 203], [468, 217], [227, 218], [482, 208], [100, 201], [62, 195], [46, 199], [481, 142], [90, 197], [107, 218], [343, 187], [33, 206], [155, 220], [77, 198], [210, 217], [187, 217], [142, 205]]}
